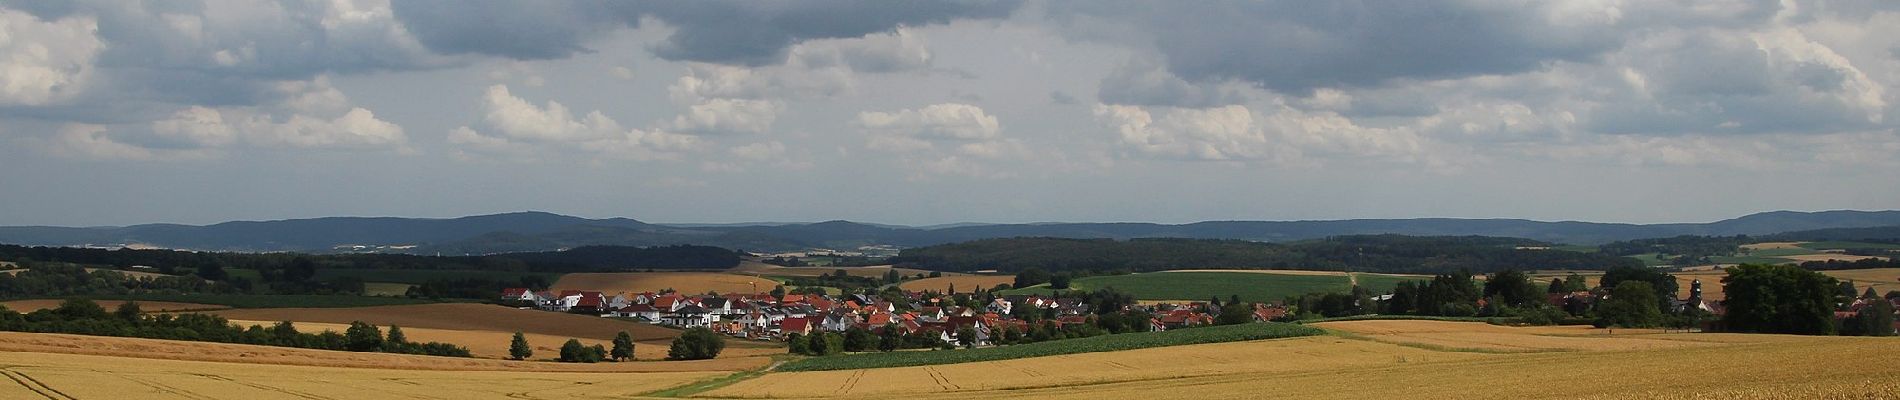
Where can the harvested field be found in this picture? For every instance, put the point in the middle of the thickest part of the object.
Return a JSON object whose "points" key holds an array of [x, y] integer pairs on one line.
{"points": [[1772, 246], [1881, 279], [964, 283], [66, 376], [26, 306], [249, 354], [684, 282], [874, 271], [463, 317], [1266, 357]]}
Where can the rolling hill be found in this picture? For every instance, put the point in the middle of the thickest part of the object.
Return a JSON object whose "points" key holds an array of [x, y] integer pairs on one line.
{"points": [[540, 231]]}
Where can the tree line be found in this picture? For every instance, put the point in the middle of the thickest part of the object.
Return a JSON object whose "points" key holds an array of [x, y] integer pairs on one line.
{"points": [[84, 317], [1364, 253]]}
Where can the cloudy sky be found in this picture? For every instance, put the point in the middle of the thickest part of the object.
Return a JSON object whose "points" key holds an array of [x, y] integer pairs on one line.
{"points": [[120, 112]]}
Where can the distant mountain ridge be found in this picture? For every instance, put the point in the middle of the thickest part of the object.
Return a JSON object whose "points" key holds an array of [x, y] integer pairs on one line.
{"points": [[541, 231]]}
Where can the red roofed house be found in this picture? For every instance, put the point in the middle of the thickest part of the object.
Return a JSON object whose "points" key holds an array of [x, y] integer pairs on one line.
{"points": [[789, 326]]}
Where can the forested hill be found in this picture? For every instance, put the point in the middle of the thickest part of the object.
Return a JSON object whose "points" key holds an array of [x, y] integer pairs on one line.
{"points": [[584, 259], [1374, 253], [539, 231]]}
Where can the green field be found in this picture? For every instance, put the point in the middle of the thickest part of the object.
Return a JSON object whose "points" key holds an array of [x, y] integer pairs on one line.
{"points": [[1839, 245], [267, 301], [1748, 260], [1780, 252], [1576, 248], [1250, 286], [386, 289], [418, 276], [1651, 259], [1118, 342]]}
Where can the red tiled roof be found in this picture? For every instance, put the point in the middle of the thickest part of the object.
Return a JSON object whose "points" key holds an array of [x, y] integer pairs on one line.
{"points": [[794, 325], [514, 291]]}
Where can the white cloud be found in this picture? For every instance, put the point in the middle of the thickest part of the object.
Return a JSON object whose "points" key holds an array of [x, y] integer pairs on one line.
{"points": [[95, 142], [941, 121], [728, 116], [898, 51], [516, 118], [198, 125], [520, 127], [45, 62]]}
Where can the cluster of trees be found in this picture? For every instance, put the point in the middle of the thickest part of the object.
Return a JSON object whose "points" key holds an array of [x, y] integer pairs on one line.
{"points": [[84, 317], [45, 279], [1369, 253], [473, 288], [1680, 250], [1865, 263], [292, 273], [837, 279], [1780, 299]]}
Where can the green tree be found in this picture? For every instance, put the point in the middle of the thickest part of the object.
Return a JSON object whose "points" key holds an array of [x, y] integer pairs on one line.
{"points": [[966, 336], [857, 339], [1576, 283], [696, 344], [212, 271], [361, 336], [1556, 286], [1874, 320], [1031, 276], [285, 334], [1663, 283], [821, 344], [130, 311], [778, 293], [892, 276], [798, 344], [1779, 299], [518, 348], [623, 346], [1235, 314], [73, 309], [573, 351], [1632, 304], [1512, 288], [1059, 281], [396, 336], [888, 339]]}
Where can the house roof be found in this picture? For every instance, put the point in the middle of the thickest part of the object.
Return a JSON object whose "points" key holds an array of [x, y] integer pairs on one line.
{"points": [[514, 291], [795, 324]]}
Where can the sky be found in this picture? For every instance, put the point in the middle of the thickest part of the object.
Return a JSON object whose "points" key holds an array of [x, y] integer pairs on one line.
{"points": [[116, 112]]}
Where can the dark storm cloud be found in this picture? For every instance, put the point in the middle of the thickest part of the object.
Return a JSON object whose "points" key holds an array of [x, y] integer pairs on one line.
{"points": [[1297, 46], [723, 32]]}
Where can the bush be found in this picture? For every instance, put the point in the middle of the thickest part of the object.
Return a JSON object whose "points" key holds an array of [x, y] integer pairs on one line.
{"points": [[696, 344]]}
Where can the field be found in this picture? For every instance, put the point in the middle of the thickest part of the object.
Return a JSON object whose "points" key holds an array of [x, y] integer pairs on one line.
{"points": [[26, 306], [964, 283], [1881, 279], [1127, 341], [67, 376], [875, 271], [1258, 285], [487, 329], [1593, 365], [385, 289], [684, 282], [1368, 359]]}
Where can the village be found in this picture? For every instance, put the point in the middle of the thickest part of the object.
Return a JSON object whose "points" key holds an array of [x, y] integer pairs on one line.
{"points": [[931, 314]]}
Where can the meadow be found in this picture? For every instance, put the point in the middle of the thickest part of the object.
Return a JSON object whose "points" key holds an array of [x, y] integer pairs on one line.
{"points": [[1253, 286], [1116, 342]]}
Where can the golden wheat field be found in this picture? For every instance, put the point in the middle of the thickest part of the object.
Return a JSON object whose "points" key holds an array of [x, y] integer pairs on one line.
{"points": [[68, 376], [684, 282], [1354, 365], [874, 271], [249, 354], [964, 283], [26, 306]]}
